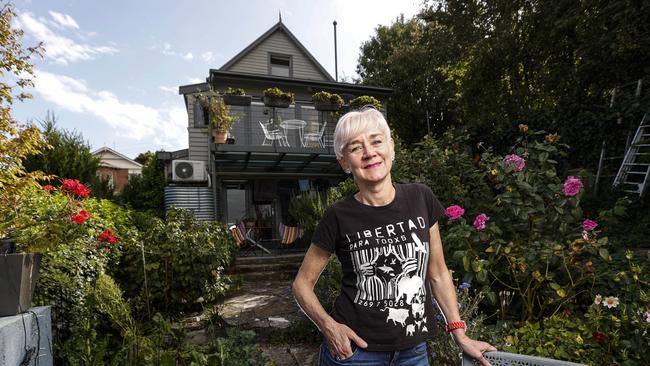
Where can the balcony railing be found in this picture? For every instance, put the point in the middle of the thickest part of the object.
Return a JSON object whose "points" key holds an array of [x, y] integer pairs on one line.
{"points": [[300, 121]]}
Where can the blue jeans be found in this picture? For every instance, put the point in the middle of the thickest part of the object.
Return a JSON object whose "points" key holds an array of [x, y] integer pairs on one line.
{"points": [[416, 356]]}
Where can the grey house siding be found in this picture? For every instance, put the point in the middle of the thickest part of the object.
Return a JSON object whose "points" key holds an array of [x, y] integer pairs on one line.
{"points": [[257, 60], [199, 140]]}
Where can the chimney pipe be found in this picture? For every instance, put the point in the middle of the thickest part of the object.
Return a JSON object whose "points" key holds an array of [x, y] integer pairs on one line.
{"points": [[336, 66]]}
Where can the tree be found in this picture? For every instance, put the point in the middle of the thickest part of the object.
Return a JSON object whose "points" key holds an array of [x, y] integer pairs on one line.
{"points": [[490, 65], [16, 140], [68, 155], [146, 192]]}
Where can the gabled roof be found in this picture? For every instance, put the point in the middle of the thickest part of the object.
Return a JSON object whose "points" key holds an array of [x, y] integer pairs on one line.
{"points": [[279, 26], [111, 151]]}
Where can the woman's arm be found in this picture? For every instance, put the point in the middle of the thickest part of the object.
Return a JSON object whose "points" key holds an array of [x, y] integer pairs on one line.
{"points": [[338, 335], [442, 285]]}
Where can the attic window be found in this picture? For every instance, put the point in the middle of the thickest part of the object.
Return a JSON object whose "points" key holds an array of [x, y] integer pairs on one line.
{"points": [[280, 65]]}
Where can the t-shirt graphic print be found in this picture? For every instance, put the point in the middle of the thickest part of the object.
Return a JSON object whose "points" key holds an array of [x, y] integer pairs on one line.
{"points": [[384, 252]]}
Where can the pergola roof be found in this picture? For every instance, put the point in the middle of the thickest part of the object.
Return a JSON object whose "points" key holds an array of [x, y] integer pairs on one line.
{"points": [[275, 161]]}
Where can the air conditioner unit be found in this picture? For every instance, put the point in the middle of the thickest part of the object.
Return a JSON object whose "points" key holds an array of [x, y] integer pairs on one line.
{"points": [[188, 171]]}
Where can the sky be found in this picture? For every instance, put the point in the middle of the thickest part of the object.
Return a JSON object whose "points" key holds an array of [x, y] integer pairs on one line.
{"points": [[112, 69]]}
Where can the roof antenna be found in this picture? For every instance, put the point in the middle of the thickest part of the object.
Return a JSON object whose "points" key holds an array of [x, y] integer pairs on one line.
{"points": [[280, 15]]}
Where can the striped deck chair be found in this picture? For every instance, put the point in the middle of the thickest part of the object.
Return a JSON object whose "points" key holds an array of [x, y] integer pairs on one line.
{"points": [[243, 240], [289, 234], [238, 233]]}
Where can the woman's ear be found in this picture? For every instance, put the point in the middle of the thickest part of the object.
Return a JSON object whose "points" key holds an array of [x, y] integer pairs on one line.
{"points": [[344, 165]]}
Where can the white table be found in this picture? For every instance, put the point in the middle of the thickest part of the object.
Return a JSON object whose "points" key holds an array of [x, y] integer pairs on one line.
{"points": [[294, 124]]}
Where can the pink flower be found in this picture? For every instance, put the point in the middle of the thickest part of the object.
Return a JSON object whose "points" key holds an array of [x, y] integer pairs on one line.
{"points": [[589, 225], [647, 316], [572, 186], [585, 235], [48, 188], [454, 212], [480, 222], [515, 160]]}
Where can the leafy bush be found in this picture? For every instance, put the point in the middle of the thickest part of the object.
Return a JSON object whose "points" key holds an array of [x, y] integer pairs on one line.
{"points": [[447, 166], [235, 91], [184, 259], [537, 242], [324, 96], [443, 349], [364, 100]]}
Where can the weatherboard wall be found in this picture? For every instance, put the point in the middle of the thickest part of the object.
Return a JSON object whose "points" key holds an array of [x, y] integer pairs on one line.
{"points": [[257, 60]]}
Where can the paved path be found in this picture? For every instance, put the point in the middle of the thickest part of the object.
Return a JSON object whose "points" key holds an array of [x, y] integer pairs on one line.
{"points": [[265, 306]]}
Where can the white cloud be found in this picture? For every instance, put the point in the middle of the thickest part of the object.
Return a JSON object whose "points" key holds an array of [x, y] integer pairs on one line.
{"points": [[170, 89], [64, 20], [168, 50], [61, 49], [195, 80], [166, 126], [207, 56]]}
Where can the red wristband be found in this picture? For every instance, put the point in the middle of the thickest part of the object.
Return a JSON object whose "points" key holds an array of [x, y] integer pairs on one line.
{"points": [[455, 325]]}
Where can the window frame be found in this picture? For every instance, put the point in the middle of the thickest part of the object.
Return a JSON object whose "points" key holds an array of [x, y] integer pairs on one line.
{"points": [[272, 55]]}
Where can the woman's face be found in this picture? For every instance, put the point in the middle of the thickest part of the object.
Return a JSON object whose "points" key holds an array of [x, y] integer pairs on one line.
{"points": [[368, 156]]}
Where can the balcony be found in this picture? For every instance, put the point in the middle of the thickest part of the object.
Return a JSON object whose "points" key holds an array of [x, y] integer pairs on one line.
{"points": [[292, 150]]}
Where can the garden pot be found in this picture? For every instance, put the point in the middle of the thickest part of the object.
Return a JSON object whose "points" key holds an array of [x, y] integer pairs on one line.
{"points": [[18, 276], [219, 137], [326, 106], [276, 102], [243, 100]]}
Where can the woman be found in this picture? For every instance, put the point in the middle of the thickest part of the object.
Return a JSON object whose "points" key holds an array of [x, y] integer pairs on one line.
{"points": [[387, 240]]}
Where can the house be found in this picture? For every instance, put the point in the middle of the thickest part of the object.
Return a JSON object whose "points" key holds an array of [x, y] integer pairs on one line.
{"points": [[116, 167], [254, 176]]}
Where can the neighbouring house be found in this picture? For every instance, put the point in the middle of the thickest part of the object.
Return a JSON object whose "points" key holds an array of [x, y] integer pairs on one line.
{"points": [[256, 173], [116, 168]]}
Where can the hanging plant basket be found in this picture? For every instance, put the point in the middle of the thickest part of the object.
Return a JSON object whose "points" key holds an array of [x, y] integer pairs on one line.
{"points": [[326, 106], [276, 102], [18, 276], [242, 100]]}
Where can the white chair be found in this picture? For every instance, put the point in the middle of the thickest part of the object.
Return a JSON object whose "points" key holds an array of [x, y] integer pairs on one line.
{"points": [[513, 359], [271, 135], [314, 136]]}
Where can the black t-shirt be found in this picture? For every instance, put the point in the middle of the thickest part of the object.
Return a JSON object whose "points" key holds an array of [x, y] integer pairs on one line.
{"points": [[384, 252]]}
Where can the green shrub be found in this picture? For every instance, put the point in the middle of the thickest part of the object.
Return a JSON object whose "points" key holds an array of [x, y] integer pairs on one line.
{"points": [[364, 100], [184, 260], [324, 96]]}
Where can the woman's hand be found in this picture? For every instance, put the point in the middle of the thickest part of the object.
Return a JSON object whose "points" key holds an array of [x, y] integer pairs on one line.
{"points": [[339, 340], [474, 349]]}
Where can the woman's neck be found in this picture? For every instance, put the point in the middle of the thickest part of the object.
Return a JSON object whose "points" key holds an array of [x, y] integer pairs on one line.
{"points": [[379, 194]]}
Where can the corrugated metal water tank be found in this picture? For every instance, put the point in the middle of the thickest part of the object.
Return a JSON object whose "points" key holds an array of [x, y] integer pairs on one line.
{"points": [[197, 200]]}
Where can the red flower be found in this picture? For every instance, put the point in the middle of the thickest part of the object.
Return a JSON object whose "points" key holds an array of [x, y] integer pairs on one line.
{"points": [[48, 188], [81, 217], [73, 186], [107, 236], [599, 337]]}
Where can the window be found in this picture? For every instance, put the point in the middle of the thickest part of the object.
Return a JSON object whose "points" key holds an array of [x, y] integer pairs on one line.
{"points": [[280, 65]]}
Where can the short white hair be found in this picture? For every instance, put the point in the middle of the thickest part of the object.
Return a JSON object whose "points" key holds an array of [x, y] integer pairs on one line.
{"points": [[354, 123]]}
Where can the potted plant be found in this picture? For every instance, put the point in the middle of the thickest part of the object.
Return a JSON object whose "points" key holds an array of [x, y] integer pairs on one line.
{"points": [[364, 100], [41, 219], [274, 97], [219, 114], [236, 96], [324, 101]]}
